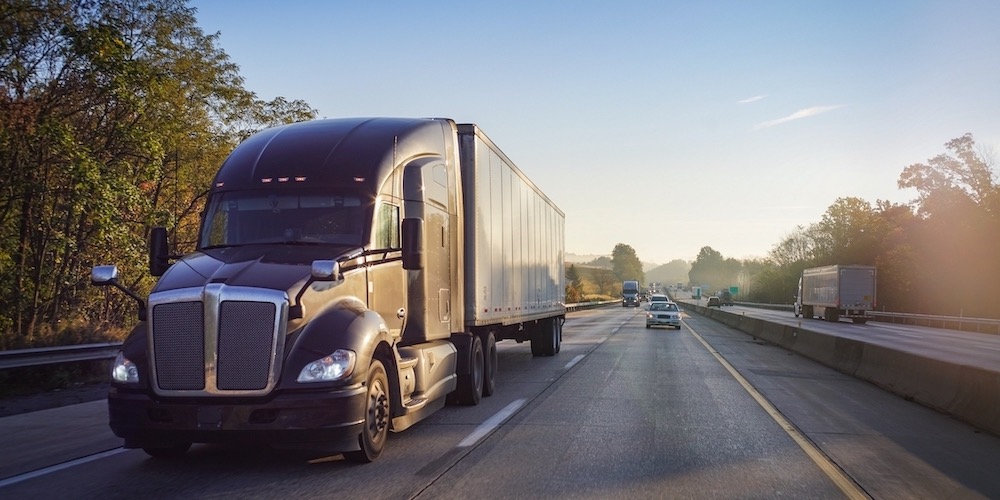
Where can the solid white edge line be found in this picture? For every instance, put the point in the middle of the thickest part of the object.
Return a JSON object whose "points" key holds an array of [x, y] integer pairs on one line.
{"points": [[55, 468], [492, 423], [840, 478], [574, 361]]}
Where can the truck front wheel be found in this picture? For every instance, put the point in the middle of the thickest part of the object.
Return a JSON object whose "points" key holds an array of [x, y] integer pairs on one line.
{"points": [[376, 429]]}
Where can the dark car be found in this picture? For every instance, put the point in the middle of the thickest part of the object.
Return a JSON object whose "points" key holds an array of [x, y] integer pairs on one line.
{"points": [[714, 301]]}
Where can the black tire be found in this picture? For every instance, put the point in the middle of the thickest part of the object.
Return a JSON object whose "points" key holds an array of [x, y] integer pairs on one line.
{"points": [[859, 321], [377, 411], [538, 341], [557, 334], [547, 338], [678, 327], [470, 385], [169, 451], [490, 366], [647, 326]]}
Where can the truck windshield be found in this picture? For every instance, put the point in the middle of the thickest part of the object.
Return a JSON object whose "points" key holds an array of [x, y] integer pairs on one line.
{"points": [[252, 217]]}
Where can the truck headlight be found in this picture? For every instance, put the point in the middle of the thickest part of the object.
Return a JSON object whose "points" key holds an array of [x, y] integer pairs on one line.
{"points": [[124, 370], [336, 366]]}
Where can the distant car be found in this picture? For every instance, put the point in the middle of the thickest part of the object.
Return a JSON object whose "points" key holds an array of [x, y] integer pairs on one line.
{"points": [[663, 313], [658, 297], [714, 301]]}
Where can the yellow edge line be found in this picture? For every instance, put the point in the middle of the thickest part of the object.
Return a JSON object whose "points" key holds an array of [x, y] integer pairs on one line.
{"points": [[835, 473]]}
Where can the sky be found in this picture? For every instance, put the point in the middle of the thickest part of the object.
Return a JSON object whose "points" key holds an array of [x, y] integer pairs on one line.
{"points": [[664, 125]]}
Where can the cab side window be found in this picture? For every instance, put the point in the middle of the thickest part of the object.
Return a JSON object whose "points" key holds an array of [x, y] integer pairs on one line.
{"points": [[387, 226]]}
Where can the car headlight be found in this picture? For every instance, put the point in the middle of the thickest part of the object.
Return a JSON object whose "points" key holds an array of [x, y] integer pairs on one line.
{"points": [[124, 370], [336, 366]]}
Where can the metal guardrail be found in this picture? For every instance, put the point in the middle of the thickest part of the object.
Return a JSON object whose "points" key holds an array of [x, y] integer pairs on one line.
{"points": [[980, 325], [589, 305], [41, 356]]}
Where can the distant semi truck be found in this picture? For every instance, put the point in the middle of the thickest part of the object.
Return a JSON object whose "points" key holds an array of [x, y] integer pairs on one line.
{"points": [[630, 293], [351, 275], [834, 292]]}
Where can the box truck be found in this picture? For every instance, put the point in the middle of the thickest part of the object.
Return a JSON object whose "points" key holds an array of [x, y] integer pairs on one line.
{"points": [[834, 292], [351, 276], [630, 293]]}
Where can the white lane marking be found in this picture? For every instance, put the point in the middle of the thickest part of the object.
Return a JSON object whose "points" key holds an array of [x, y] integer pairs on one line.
{"points": [[55, 468], [491, 424], [574, 361]]}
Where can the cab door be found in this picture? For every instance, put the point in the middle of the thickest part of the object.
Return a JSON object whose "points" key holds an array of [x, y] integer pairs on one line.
{"points": [[426, 193]]}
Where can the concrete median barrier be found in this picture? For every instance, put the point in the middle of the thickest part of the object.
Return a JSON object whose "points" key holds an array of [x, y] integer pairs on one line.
{"points": [[968, 393]]}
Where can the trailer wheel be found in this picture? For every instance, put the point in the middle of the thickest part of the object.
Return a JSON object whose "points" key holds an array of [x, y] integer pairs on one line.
{"points": [[490, 365], [546, 340], [557, 337], [470, 385], [376, 428], [169, 451]]}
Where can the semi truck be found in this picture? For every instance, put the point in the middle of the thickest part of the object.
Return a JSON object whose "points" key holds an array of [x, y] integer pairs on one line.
{"points": [[350, 278], [630, 293], [837, 291]]}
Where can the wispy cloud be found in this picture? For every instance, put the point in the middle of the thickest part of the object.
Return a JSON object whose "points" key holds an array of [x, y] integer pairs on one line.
{"points": [[748, 100], [802, 113]]}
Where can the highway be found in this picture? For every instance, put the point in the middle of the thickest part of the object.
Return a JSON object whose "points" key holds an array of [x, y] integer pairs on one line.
{"points": [[622, 412]]}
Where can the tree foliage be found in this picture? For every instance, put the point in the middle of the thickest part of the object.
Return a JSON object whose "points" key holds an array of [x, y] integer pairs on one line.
{"points": [[711, 269], [626, 264], [114, 115], [935, 256], [574, 285]]}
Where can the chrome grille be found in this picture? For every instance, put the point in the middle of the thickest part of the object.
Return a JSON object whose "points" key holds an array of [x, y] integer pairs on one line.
{"points": [[245, 336], [217, 340], [179, 346]]}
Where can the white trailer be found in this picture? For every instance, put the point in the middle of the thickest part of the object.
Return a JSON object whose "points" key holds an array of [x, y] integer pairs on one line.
{"points": [[837, 291]]}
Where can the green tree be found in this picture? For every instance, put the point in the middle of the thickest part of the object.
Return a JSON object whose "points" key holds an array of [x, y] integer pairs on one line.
{"points": [[953, 243], [606, 282], [712, 270], [967, 174], [574, 287], [625, 263], [113, 117]]}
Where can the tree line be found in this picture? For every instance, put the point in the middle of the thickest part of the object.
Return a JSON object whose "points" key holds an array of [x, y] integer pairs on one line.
{"points": [[939, 254], [114, 116]]}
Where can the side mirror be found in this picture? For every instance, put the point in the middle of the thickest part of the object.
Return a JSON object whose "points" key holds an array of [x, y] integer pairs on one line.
{"points": [[159, 252], [322, 270], [103, 275], [108, 276], [413, 244], [326, 270]]}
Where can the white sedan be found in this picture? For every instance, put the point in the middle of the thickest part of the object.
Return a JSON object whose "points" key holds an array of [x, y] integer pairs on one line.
{"points": [[663, 313]]}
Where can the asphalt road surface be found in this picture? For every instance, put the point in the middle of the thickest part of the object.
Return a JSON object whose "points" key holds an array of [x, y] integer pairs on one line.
{"points": [[622, 412]]}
